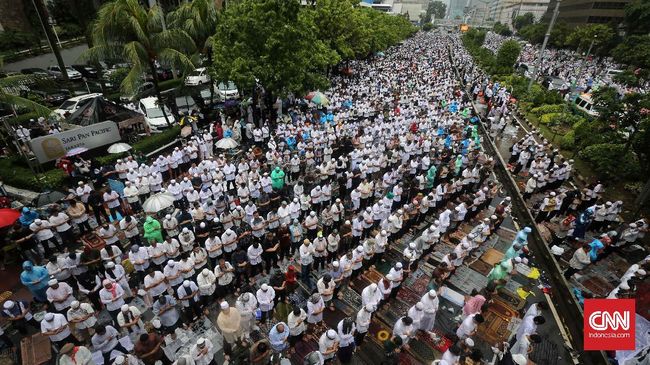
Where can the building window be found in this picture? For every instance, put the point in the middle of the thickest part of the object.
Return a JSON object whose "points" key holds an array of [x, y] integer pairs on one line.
{"points": [[608, 5], [603, 19]]}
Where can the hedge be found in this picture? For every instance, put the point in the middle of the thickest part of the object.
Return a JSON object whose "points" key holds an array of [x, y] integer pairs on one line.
{"points": [[612, 162], [15, 173], [146, 145], [552, 108]]}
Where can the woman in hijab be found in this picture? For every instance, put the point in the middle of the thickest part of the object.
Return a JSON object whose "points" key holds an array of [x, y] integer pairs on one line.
{"points": [[152, 229], [35, 279], [90, 283]]}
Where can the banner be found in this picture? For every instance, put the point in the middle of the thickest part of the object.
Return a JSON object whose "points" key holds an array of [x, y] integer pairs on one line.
{"points": [[53, 146]]}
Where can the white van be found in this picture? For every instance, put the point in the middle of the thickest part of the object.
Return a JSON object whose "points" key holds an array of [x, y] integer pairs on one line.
{"points": [[153, 113], [583, 102], [71, 105]]}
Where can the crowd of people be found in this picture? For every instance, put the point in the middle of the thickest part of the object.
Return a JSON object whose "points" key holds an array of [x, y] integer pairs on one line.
{"points": [[312, 201]]}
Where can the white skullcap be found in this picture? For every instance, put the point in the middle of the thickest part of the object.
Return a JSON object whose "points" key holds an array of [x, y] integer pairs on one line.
{"points": [[469, 342], [331, 334], [186, 283], [49, 316], [517, 259], [419, 305], [335, 263], [432, 293], [398, 265], [412, 245], [373, 286], [200, 341], [185, 230], [119, 360], [52, 282], [125, 307], [205, 272], [225, 305], [9, 304], [265, 287]]}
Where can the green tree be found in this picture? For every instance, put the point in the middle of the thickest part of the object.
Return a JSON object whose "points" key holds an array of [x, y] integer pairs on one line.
{"points": [[634, 50], [583, 35], [627, 114], [273, 42], [521, 21], [507, 56], [436, 9], [336, 25], [199, 20], [126, 31], [69, 13], [559, 34], [637, 17], [533, 33], [10, 87], [502, 29]]}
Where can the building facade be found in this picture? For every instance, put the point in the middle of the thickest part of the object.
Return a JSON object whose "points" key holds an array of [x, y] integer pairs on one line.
{"points": [[505, 11], [577, 12]]}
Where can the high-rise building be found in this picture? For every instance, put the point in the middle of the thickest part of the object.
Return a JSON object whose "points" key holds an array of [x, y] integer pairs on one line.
{"points": [[457, 8], [504, 11], [577, 12]]}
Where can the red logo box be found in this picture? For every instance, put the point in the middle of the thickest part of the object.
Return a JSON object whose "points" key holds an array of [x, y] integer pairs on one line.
{"points": [[609, 324]]}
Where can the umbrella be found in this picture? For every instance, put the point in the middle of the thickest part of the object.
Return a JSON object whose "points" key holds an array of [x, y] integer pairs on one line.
{"points": [[318, 98], [118, 148], [48, 197], [158, 202], [8, 217], [76, 151], [380, 54], [226, 143]]}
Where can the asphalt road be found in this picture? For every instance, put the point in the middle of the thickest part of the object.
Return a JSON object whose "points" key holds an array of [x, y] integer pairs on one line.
{"points": [[70, 56]]}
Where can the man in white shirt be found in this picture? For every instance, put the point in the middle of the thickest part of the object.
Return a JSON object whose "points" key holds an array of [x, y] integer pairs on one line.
{"points": [[265, 296], [60, 222], [129, 226], [112, 296], [469, 326], [105, 340], [131, 193], [83, 316], [109, 233], [60, 295], [306, 259], [202, 352], [364, 316], [55, 326], [188, 294], [155, 283], [129, 320], [45, 236], [113, 202]]}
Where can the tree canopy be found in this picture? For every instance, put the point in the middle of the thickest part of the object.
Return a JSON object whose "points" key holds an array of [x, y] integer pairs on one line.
{"points": [[583, 35], [434, 8], [523, 20]]}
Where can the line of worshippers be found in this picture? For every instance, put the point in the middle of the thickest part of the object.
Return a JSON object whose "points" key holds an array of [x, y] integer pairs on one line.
{"points": [[334, 214]]}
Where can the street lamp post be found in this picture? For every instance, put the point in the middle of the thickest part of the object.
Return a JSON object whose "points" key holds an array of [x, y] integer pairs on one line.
{"points": [[538, 67], [582, 65]]}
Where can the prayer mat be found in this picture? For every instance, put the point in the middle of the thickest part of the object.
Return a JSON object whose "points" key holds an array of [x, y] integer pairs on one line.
{"points": [[406, 358], [303, 348], [392, 311], [481, 267], [412, 278], [452, 296], [597, 285], [36, 349], [426, 268], [369, 352], [438, 342], [617, 265], [512, 286], [447, 321], [440, 251], [378, 332], [419, 287], [350, 297], [422, 350], [502, 245], [466, 279], [495, 327], [456, 236], [466, 228], [373, 275], [332, 318], [492, 257], [281, 312], [360, 282], [345, 308], [408, 296], [506, 234], [546, 352], [511, 299]]}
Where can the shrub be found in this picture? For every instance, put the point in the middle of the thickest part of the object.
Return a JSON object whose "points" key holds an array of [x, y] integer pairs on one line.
{"points": [[592, 133], [551, 118], [611, 162], [146, 145], [11, 40], [568, 140], [545, 109], [15, 173], [427, 27]]}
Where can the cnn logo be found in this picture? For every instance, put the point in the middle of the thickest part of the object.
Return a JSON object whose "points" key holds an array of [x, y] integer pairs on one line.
{"points": [[603, 321], [609, 324]]}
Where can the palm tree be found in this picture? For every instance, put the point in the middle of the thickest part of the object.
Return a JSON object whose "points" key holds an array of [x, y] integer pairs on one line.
{"points": [[126, 31], [199, 20]]}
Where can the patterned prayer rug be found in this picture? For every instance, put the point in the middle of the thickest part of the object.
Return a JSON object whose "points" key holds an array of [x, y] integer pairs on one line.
{"points": [[302, 349], [419, 287], [492, 257], [350, 298], [392, 311], [511, 299], [360, 282], [378, 332], [506, 234], [481, 267], [597, 285], [423, 351], [546, 352], [465, 280], [332, 318], [408, 296], [495, 327], [373, 275]]}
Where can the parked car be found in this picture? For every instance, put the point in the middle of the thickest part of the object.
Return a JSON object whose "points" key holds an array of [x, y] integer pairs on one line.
{"points": [[69, 106], [227, 91], [144, 90], [197, 77], [86, 71], [52, 97], [72, 73], [35, 71], [154, 114]]}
